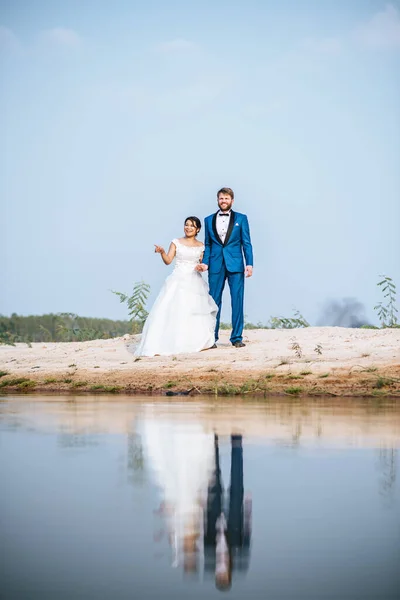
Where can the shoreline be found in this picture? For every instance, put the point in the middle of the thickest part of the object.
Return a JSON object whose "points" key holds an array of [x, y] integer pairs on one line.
{"points": [[314, 361]]}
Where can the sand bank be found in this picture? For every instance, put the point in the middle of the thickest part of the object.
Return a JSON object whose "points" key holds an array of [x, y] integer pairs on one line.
{"points": [[316, 360]]}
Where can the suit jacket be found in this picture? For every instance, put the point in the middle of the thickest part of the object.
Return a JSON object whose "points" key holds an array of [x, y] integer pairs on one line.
{"points": [[230, 253]]}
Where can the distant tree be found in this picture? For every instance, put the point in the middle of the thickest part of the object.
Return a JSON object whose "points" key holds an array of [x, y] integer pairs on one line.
{"points": [[61, 327]]}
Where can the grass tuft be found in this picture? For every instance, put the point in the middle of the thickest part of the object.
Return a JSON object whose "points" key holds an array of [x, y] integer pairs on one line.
{"points": [[170, 384], [294, 390], [382, 382], [284, 361], [13, 382], [25, 385], [111, 389]]}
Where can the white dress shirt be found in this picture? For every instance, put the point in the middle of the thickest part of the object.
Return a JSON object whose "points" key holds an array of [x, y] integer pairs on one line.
{"points": [[223, 224]]}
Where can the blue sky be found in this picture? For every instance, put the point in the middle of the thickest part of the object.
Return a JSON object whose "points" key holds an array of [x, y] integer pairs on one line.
{"points": [[120, 119]]}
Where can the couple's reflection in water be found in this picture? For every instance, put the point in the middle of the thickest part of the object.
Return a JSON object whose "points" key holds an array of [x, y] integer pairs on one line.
{"points": [[209, 528]]}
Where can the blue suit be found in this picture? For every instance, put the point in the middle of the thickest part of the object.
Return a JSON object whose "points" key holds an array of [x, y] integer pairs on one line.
{"points": [[225, 262]]}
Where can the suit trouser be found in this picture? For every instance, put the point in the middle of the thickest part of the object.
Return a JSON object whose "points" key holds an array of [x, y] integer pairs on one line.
{"points": [[216, 282], [214, 499], [215, 504], [235, 515]]}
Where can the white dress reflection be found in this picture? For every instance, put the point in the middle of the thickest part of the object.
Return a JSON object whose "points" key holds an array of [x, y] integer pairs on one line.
{"points": [[181, 455]]}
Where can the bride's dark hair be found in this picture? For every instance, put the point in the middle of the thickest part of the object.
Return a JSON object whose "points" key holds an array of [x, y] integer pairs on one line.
{"points": [[195, 220]]}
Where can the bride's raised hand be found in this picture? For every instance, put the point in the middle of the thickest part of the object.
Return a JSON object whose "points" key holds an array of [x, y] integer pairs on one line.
{"points": [[158, 249]]}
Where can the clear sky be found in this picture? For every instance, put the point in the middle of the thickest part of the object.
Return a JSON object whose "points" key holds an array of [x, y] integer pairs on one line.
{"points": [[119, 119]]}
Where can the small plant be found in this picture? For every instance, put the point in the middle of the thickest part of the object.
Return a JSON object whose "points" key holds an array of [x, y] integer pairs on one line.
{"points": [[7, 338], [170, 384], [284, 361], [71, 366], [323, 376], [370, 370], [296, 348], [3, 373], [77, 384], [67, 380], [378, 393], [112, 389], [382, 382], [136, 302], [24, 385], [50, 380], [387, 311], [18, 381], [269, 375], [13, 382], [305, 373], [289, 322], [294, 390], [226, 389], [318, 349]]}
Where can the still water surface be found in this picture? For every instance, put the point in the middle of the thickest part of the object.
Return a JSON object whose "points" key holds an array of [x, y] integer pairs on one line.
{"points": [[142, 498]]}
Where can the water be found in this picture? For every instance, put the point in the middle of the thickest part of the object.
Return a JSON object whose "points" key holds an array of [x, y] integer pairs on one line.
{"points": [[106, 498]]}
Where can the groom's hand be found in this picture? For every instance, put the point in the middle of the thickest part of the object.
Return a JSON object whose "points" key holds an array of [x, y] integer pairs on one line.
{"points": [[249, 271], [201, 267]]}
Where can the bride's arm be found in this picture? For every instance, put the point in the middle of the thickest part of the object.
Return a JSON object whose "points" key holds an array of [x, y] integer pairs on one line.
{"points": [[167, 257]]}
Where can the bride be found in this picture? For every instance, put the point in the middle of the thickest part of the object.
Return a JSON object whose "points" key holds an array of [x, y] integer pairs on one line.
{"points": [[183, 316]]}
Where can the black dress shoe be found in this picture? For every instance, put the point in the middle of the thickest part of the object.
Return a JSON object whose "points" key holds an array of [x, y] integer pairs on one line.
{"points": [[212, 347], [238, 345]]}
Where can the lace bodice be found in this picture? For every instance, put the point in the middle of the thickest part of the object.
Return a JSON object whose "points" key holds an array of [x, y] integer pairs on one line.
{"points": [[187, 257]]}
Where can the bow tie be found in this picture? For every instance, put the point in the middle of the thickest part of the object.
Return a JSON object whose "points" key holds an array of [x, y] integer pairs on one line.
{"points": [[224, 214]]}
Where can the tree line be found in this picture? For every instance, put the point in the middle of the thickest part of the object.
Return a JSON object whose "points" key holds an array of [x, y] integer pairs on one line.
{"points": [[61, 327]]}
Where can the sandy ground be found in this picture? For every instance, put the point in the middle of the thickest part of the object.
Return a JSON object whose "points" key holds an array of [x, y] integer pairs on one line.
{"points": [[328, 361]]}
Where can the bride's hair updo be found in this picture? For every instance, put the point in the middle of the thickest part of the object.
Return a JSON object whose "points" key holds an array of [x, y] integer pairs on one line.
{"points": [[195, 220]]}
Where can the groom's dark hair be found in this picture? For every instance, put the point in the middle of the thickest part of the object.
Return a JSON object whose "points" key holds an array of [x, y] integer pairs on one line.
{"points": [[228, 191], [194, 220]]}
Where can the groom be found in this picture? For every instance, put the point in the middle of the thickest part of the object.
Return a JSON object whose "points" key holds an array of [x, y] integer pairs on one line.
{"points": [[227, 238]]}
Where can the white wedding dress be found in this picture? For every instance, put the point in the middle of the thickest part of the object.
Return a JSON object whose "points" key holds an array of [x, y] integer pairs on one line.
{"points": [[183, 316]]}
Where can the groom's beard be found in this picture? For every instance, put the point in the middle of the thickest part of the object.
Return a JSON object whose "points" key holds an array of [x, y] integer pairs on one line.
{"points": [[229, 207]]}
